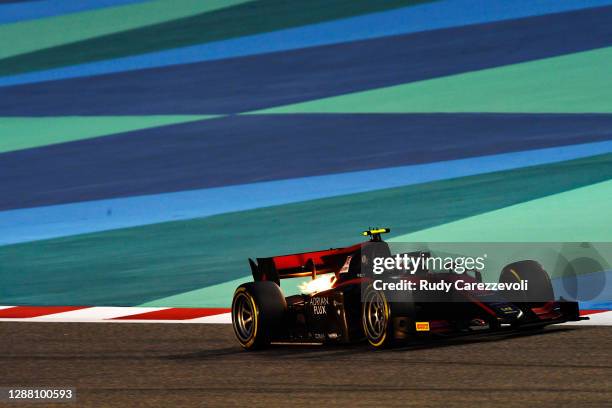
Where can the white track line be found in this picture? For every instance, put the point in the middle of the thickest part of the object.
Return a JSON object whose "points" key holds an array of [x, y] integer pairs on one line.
{"points": [[225, 318], [595, 319], [187, 321], [96, 313], [105, 314]]}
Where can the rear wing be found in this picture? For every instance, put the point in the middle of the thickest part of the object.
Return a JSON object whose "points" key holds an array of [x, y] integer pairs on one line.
{"points": [[301, 265]]}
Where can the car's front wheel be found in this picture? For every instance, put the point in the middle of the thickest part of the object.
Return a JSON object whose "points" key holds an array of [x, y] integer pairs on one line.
{"points": [[539, 287]]}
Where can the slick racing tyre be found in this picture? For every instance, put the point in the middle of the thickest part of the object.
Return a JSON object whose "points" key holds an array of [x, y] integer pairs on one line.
{"points": [[376, 318], [539, 288], [258, 313]]}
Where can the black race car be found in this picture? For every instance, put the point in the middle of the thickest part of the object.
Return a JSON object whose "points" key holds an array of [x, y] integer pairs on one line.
{"points": [[346, 301]]}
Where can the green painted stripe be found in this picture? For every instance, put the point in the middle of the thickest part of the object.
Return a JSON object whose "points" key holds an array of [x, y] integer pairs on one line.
{"points": [[575, 83], [35, 35], [577, 216], [17, 133], [219, 295], [138, 265], [231, 22], [580, 215]]}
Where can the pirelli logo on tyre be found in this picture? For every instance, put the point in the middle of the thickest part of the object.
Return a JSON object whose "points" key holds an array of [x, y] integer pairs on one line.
{"points": [[422, 326]]}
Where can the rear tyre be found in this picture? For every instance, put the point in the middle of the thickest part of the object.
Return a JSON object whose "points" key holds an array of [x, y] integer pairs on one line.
{"points": [[376, 318], [539, 288], [258, 313]]}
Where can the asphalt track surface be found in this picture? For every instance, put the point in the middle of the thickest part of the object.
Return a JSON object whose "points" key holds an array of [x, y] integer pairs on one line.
{"points": [[242, 84], [118, 365]]}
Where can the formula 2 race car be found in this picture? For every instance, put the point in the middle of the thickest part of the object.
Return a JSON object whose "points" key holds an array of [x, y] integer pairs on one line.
{"points": [[343, 303]]}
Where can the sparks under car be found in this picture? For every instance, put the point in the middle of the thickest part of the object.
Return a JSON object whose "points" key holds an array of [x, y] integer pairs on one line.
{"points": [[343, 302]]}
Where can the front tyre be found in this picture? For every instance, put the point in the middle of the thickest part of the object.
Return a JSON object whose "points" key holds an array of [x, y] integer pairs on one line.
{"points": [[258, 313], [376, 318], [540, 288]]}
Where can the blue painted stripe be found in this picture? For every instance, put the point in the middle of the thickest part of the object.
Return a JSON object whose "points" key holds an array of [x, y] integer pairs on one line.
{"points": [[604, 305], [244, 149], [431, 16], [268, 80], [592, 290], [78, 218], [30, 10]]}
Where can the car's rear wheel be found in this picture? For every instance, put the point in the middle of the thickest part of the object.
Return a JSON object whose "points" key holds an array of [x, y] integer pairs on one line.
{"points": [[376, 318], [258, 313]]}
